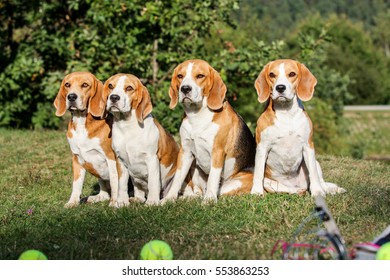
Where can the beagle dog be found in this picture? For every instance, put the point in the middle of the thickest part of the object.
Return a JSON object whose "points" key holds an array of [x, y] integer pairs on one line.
{"points": [[88, 135], [213, 136], [285, 158], [146, 151]]}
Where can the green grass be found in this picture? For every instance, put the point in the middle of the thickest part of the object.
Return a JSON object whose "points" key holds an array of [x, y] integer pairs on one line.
{"points": [[36, 174], [370, 132]]}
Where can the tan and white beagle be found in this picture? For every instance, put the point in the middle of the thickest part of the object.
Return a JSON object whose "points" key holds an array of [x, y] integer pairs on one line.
{"points": [[285, 157], [89, 136], [146, 151], [212, 135]]}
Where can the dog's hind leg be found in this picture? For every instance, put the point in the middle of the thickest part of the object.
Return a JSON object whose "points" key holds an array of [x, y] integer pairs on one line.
{"points": [[140, 191], [104, 192], [197, 185], [240, 183], [330, 188], [273, 186]]}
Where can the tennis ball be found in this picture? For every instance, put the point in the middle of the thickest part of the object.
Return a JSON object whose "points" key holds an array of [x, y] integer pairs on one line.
{"points": [[383, 252], [32, 255], [156, 250]]}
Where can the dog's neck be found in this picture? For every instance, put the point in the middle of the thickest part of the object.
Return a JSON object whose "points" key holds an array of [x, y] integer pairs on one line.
{"points": [[77, 121], [198, 113], [79, 114], [127, 118], [289, 107], [120, 116], [83, 119], [78, 118]]}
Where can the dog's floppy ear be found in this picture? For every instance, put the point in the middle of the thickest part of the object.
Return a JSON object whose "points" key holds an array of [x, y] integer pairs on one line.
{"points": [[306, 84], [96, 105], [60, 101], [262, 86], [174, 89], [217, 91], [142, 104], [104, 98]]}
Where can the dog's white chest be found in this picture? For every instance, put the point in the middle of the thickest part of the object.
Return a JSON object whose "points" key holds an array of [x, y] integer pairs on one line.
{"points": [[201, 135], [88, 150], [134, 145], [287, 138]]}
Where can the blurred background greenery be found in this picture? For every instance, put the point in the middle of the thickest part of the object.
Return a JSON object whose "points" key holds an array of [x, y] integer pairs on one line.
{"points": [[344, 43]]}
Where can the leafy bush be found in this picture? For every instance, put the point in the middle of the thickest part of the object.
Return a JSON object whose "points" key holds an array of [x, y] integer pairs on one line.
{"points": [[145, 38], [19, 85]]}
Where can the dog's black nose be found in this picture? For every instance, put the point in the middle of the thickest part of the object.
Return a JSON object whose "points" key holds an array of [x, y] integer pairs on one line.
{"points": [[185, 89], [72, 97], [114, 98], [280, 88]]}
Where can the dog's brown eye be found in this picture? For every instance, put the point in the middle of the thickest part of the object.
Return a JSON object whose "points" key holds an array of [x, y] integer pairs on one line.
{"points": [[292, 74], [110, 86], [199, 76], [272, 75], [67, 85], [129, 88], [180, 76], [84, 85]]}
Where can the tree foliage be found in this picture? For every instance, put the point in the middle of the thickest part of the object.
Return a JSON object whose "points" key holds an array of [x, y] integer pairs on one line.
{"points": [[47, 39]]}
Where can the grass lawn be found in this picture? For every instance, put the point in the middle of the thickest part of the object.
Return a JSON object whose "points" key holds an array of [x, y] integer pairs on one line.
{"points": [[370, 131], [36, 183]]}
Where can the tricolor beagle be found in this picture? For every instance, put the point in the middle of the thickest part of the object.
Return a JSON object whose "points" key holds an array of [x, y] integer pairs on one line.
{"points": [[285, 158], [212, 134], [89, 136], [146, 151]]}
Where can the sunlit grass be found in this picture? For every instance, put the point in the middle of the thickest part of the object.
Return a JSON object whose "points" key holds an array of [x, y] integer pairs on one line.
{"points": [[371, 131]]}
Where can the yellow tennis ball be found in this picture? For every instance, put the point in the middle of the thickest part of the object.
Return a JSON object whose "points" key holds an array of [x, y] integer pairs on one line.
{"points": [[156, 250], [383, 252], [32, 255]]}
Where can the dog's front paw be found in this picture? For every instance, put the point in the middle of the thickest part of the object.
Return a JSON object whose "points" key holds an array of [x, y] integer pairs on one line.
{"points": [[102, 196], [341, 190], [190, 192], [301, 191], [317, 191], [333, 188], [72, 204], [257, 188], [113, 203], [168, 199], [136, 200], [152, 202], [257, 191], [209, 199], [120, 203]]}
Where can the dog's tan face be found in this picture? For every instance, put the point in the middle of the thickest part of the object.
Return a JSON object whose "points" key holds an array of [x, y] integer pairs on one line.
{"points": [[195, 80], [283, 79], [76, 91], [124, 92], [120, 92]]}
